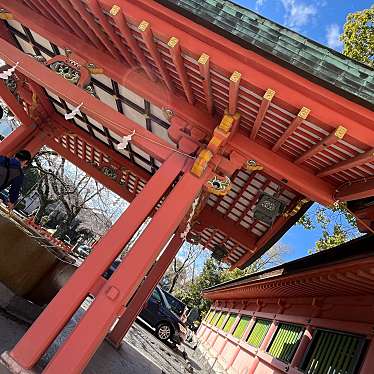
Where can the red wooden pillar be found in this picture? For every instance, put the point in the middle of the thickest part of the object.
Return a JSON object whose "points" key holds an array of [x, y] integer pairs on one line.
{"points": [[304, 343], [368, 365], [144, 291], [59, 311], [78, 349], [16, 140], [263, 346]]}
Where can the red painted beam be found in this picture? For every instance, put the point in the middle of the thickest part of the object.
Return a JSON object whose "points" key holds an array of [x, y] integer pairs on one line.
{"points": [[234, 92], [356, 190], [265, 103], [91, 171], [176, 56], [332, 138], [94, 108], [14, 105], [95, 8], [154, 92], [327, 106], [348, 164], [297, 178], [297, 121], [148, 39], [121, 22]]}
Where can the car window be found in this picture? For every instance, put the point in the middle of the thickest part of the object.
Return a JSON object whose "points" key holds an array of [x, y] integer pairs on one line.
{"points": [[156, 295]]}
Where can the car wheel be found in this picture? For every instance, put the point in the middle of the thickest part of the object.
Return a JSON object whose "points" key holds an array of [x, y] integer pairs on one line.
{"points": [[163, 331]]}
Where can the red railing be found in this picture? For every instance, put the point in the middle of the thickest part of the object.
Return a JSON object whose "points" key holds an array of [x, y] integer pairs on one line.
{"points": [[48, 236]]}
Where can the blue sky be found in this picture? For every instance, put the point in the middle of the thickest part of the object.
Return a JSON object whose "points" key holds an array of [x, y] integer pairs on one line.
{"points": [[321, 20]]}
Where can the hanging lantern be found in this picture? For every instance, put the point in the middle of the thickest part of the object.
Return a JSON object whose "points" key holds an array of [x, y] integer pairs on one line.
{"points": [[219, 252], [268, 208]]}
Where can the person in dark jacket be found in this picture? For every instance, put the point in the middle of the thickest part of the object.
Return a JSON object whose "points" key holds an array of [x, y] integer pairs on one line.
{"points": [[11, 174]]}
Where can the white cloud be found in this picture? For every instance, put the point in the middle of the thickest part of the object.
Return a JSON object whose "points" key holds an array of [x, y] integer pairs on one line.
{"points": [[259, 4], [332, 35], [298, 14]]}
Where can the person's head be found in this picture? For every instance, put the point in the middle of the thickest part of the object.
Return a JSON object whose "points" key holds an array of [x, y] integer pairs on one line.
{"points": [[24, 157]]}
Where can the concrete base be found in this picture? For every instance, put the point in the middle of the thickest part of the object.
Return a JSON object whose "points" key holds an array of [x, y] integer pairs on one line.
{"points": [[7, 362], [210, 362]]}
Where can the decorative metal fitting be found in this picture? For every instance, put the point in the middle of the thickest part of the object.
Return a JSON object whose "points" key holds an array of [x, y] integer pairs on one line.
{"points": [[340, 132], [115, 10], [218, 185], [304, 113], [168, 113], [252, 165], [109, 172]]}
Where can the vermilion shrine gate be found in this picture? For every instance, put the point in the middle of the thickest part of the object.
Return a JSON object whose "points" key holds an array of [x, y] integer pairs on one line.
{"points": [[234, 127]]}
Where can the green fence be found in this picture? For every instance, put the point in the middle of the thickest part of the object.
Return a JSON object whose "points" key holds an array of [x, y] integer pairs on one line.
{"points": [[333, 352], [285, 341], [221, 320], [241, 327], [258, 333], [230, 322]]}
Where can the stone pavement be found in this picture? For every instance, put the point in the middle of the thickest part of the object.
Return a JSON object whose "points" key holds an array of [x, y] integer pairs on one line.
{"points": [[141, 353]]}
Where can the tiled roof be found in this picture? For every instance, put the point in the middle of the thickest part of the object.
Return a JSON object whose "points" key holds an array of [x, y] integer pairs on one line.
{"points": [[305, 56]]}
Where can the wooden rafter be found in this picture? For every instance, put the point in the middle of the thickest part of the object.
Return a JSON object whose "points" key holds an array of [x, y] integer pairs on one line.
{"points": [[331, 139], [147, 35], [234, 92], [204, 66], [120, 21], [44, 8], [297, 121], [67, 16], [348, 164], [79, 23], [265, 103], [176, 55], [87, 17], [95, 8]]}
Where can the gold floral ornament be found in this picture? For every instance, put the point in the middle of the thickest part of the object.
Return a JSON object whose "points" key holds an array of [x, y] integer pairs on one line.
{"points": [[218, 185], [252, 165], [5, 15]]}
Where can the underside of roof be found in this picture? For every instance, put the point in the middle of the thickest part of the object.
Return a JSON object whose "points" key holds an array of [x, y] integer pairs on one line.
{"points": [[304, 156], [345, 269], [313, 60]]}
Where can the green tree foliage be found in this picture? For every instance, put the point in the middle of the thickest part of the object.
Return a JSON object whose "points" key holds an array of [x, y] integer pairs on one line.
{"points": [[358, 36], [337, 224], [214, 273]]}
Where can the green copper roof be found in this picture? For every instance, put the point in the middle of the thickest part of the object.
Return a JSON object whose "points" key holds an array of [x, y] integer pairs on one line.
{"points": [[307, 57]]}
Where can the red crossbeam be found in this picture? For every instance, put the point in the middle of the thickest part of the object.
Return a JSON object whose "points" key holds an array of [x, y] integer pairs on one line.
{"points": [[356, 190], [348, 164]]}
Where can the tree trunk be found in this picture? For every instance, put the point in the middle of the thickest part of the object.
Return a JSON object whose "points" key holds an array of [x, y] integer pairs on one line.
{"points": [[173, 282], [41, 211]]}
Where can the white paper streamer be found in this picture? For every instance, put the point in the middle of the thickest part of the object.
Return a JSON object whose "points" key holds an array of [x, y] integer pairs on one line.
{"points": [[74, 112], [125, 141]]}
